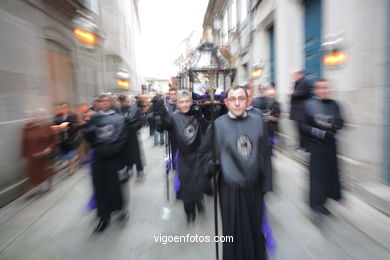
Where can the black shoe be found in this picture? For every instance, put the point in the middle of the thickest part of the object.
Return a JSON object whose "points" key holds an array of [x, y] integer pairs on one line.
{"points": [[321, 209], [188, 218], [200, 206], [123, 218], [103, 223], [325, 211]]}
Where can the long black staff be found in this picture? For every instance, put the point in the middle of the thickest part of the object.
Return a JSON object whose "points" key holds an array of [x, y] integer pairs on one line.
{"points": [[169, 163], [167, 153], [215, 187]]}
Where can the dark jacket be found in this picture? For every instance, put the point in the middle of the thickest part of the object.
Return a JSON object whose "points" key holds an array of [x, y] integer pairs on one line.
{"points": [[69, 140], [301, 93]]}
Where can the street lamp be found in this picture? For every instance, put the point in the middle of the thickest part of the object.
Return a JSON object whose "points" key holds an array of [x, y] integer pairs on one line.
{"points": [[334, 54], [85, 31], [123, 79], [257, 70]]}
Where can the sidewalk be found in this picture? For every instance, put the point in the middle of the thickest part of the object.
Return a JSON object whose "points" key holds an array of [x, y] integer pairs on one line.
{"points": [[57, 225], [356, 231]]}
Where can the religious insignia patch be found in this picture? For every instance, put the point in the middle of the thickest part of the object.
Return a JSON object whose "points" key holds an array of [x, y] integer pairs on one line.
{"points": [[189, 131], [244, 146]]}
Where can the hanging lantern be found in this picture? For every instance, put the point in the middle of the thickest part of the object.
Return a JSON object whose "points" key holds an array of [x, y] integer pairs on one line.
{"points": [[123, 83], [86, 32], [335, 58], [334, 52], [258, 69], [85, 37]]}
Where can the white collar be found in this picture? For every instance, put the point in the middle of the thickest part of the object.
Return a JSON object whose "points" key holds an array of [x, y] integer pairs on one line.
{"points": [[230, 114]]}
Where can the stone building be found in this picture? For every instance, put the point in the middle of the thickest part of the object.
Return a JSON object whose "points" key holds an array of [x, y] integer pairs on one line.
{"points": [[279, 36]]}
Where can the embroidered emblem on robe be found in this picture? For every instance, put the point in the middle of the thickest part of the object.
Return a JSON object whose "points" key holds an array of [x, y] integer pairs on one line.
{"points": [[189, 132], [244, 146]]}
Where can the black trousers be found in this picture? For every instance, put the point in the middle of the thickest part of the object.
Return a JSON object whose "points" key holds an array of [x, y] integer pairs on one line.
{"points": [[301, 135]]}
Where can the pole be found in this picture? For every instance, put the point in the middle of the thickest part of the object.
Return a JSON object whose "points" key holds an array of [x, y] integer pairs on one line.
{"points": [[215, 187], [167, 153], [169, 161]]}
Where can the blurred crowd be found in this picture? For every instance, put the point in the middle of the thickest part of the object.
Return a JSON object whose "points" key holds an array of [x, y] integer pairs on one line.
{"points": [[229, 140]]}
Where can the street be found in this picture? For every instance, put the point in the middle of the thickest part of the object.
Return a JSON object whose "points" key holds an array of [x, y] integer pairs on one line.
{"points": [[57, 225]]}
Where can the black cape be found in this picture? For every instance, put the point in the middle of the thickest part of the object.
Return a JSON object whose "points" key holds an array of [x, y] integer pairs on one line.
{"points": [[302, 92], [244, 157], [133, 122], [188, 130], [324, 174], [106, 132]]}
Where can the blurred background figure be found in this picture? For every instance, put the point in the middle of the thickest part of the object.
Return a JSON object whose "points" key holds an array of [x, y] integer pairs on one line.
{"points": [[107, 135], [322, 120], [273, 115], [39, 146], [261, 102], [155, 120], [69, 140], [83, 114], [299, 95], [133, 123]]}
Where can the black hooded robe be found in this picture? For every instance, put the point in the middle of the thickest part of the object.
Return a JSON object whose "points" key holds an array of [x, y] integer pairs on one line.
{"points": [[188, 129], [322, 115], [133, 122], [244, 157], [106, 132]]}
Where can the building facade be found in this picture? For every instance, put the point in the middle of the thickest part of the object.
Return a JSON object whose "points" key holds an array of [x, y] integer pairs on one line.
{"points": [[43, 63], [122, 33]]}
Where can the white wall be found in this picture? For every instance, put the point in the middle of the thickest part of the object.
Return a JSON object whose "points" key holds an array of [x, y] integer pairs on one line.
{"points": [[360, 84]]}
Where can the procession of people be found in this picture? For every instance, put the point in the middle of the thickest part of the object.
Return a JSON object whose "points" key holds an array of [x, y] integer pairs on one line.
{"points": [[233, 149]]}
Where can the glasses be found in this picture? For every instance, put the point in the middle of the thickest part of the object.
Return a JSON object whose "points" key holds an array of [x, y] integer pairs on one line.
{"points": [[234, 99]]}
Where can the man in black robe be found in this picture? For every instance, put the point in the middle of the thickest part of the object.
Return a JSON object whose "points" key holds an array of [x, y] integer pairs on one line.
{"points": [[187, 125], [322, 120], [299, 95], [106, 133], [244, 158], [171, 107], [133, 122]]}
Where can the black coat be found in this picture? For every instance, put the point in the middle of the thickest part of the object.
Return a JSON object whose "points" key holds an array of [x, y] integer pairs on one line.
{"points": [[243, 153], [68, 140], [261, 103], [133, 121], [188, 130], [322, 120], [301, 93], [106, 133]]}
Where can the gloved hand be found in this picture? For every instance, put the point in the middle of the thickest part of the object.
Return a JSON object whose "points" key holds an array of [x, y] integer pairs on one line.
{"points": [[322, 134], [196, 110], [318, 133], [214, 169]]}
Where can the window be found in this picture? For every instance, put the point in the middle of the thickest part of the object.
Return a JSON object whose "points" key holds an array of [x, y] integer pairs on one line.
{"points": [[233, 15], [225, 25], [244, 10]]}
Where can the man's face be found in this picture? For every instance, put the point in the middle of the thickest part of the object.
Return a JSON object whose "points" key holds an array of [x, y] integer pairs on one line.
{"points": [[297, 75], [124, 102], [322, 90], [172, 96], [104, 103], [184, 104], [237, 102], [64, 109]]}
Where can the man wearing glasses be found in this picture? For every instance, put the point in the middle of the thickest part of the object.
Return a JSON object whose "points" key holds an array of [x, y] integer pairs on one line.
{"points": [[244, 158], [188, 126]]}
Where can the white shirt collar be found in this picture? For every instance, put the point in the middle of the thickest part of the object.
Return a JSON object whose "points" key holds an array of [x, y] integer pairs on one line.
{"points": [[230, 114]]}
